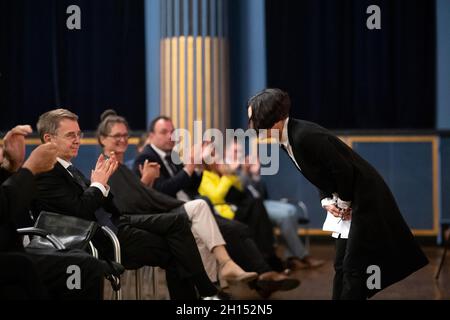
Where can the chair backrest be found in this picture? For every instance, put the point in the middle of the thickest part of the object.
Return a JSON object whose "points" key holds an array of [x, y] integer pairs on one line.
{"points": [[73, 232]]}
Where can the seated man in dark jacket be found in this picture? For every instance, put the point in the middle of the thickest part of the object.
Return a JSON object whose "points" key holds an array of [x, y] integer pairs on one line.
{"points": [[156, 240], [36, 275]]}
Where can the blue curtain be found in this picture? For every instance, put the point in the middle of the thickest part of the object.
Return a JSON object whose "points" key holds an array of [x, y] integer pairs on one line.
{"points": [[345, 76], [44, 65]]}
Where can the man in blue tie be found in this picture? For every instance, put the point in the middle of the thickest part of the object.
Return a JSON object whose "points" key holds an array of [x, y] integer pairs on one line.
{"points": [[155, 240]]}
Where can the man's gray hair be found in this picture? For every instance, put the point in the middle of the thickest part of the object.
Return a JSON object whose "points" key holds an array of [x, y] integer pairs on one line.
{"points": [[49, 121]]}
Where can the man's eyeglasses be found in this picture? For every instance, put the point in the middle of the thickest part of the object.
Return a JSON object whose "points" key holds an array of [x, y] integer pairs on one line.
{"points": [[117, 137], [73, 135]]}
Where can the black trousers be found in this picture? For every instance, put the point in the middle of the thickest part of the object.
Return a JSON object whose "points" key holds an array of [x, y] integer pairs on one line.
{"points": [[165, 240], [241, 246], [349, 281], [43, 274]]}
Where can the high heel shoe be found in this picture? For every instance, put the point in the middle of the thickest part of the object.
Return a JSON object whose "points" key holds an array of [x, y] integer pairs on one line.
{"points": [[243, 276]]}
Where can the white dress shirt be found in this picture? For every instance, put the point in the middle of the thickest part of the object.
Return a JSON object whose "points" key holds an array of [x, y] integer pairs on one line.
{"points": [[66, 164]]}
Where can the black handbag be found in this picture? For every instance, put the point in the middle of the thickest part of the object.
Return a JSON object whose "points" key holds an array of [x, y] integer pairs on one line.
{"points": [[73, 232]]}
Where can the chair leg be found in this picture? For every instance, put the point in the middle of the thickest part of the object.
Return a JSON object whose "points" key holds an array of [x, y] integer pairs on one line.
{"points": [[137, 274], [441, 264], [118, 294], [155, 282]]}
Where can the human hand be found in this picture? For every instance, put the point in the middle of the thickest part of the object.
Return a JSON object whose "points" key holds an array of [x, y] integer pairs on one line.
{"points": [[14, 147], [149, 172], [334, 210], [42, 159], [104, 169]]}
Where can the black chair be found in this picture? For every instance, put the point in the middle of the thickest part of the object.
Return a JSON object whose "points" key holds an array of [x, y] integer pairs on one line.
{"points": [[66, 232]]}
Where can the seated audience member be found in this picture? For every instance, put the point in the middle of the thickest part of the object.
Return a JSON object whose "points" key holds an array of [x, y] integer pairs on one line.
{"points": [[222, 187], [142, 142], [182, 181], [154, 240], [141, 199], [283, 215], [40, 274]]}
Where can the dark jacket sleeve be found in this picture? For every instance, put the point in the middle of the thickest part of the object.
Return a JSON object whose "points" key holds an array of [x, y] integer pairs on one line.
{"points": [[171, 185], [337, 161], [55, 195], [166, 183], [16, 193], [323, 194]]}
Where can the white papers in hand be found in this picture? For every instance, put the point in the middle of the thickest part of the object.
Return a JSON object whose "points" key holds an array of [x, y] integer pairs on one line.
{"points": [[337, 225]]}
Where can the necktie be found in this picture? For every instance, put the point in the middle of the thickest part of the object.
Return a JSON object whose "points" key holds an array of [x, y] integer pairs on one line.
{"points": [[172, 166], [103, 217], [80, 179]]}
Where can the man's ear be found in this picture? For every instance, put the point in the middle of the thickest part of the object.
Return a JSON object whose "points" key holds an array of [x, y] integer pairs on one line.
{"points": [[47, 138]]}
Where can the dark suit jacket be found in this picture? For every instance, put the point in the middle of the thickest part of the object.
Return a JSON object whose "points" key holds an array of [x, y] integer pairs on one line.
{"points": [[378, 234], [133, 197], [16, 193], [57, 191], [166, 183]]}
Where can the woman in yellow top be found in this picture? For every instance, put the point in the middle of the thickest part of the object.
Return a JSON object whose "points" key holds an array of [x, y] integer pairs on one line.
{"points": [[222, 186], [216, 182]]}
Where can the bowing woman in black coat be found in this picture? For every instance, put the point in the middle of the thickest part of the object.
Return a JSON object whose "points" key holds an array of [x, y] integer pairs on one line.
{"points": [[350, 189]]}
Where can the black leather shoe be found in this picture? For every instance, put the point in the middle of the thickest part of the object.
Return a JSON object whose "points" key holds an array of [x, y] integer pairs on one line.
{"points": [[270, 282]]}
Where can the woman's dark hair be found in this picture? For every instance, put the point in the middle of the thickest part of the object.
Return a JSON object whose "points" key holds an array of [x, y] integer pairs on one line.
{"points": [[268, 107], [107, 120]]}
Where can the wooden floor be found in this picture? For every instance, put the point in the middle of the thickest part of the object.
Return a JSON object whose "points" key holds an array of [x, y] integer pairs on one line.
{"points": [[316, 284]]}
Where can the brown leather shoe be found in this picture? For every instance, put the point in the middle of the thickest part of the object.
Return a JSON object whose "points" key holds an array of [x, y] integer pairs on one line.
{"points": [[272, 281], [305, 263]]}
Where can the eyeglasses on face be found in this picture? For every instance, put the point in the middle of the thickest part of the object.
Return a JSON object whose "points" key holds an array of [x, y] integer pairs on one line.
{"points": [[117, 137], [73, 135]]}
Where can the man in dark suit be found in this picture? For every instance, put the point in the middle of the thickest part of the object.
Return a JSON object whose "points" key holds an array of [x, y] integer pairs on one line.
{"points": [[156, 240], [41, 273], [351, 191], [182, 181]]}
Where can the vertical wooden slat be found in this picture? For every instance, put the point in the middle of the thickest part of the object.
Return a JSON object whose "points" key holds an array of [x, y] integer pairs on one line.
{"points": [[190, 84], [224, 81], [216, 101], [167, 78], [182, 81], [208, 80], [199, 74], [174, 80]]}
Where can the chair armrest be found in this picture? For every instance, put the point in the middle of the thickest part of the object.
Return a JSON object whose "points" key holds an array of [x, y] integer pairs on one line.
{"points": [[115, 241], [44, 234]]}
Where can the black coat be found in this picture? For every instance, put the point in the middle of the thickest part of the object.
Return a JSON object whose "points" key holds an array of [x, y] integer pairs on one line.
{"points": [[133, 197], [57, 191], [378, 234], [166, 183], [16, 193]]}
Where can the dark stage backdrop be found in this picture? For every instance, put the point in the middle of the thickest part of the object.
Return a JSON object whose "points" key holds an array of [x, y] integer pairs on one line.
{"points": [[345, 76], [44, 65]]}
